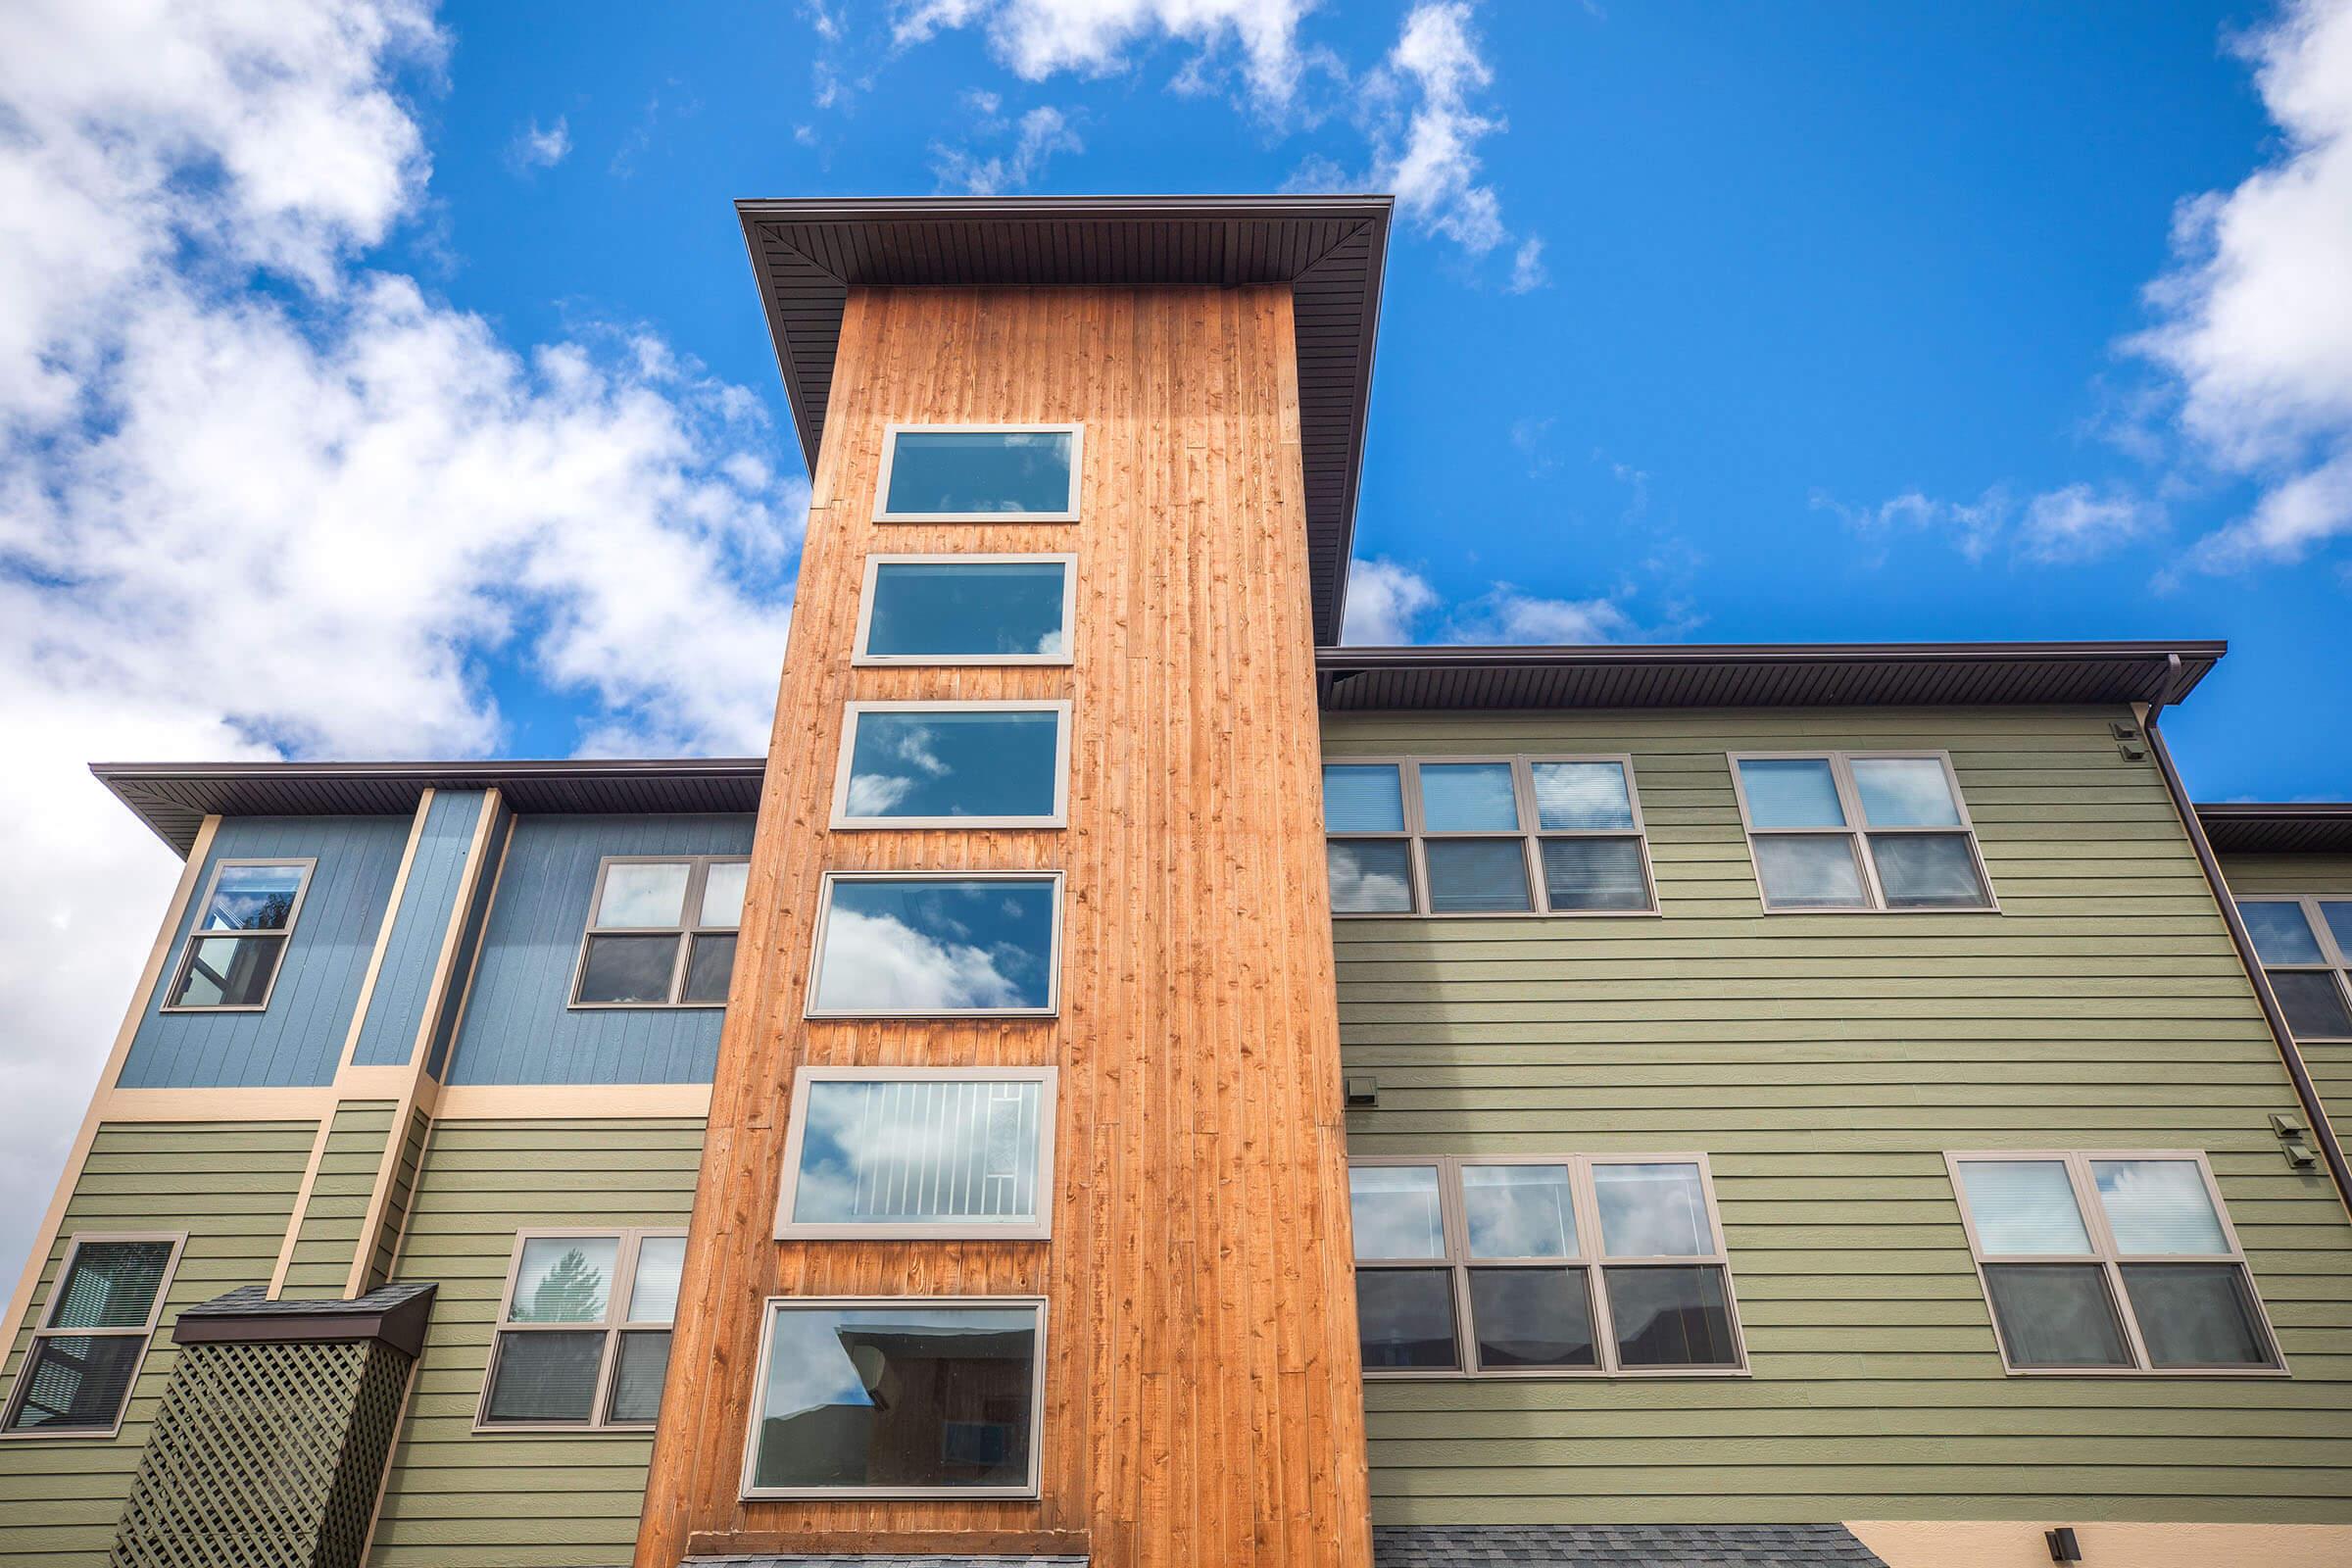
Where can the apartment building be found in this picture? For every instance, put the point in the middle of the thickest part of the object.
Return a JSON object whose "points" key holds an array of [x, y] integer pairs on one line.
{"points": [[1125, 1080]]}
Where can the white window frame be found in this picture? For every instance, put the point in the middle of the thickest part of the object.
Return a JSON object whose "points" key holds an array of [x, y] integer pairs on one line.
{"points": [[1059, 708], [1858, 829], [697, 874], [1522, 794], [1591, 1260], [2110, 1259], [616, 1323], [197, 933], [944, 1230], [1037, 1397], [824, 916], [40, 1328], [1067, 560], [890, 453], [2333, 959]]}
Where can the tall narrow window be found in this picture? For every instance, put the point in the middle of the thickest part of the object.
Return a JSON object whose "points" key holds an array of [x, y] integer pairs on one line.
{"points": [[238, 942], [912, 764], [912, 945], [1859, 830], [583, 1333], [936, 1152], [967, 610], [2305, 945], [662, 932], [91, 1336], [979, 473]]}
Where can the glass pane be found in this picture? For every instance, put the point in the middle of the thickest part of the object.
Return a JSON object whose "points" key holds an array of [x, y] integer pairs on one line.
{"points": [[902, 1151], [1404, 1318], [229, 972], [72, 1380], [637, 1377], [1540, 1317], [1363, 797], [2338, 916], [253, 898], [1671, 1317], [643, 893], [1577, 796], [980, 470], [1518, 1211], [1370, 876], [722, 893], [545, 1377], [897, 1396], [2280, 933], [2197, 1315], [924, 946], [1468, 798], [710, 967], [1652, 1211], [1905, 792], [628, 968], [1791, 792], [2313, 1004], [1813, 872], [564, 1279], [2158, 1206], [1396, 1209], [967, 610], [1595, 874], [1928, 871], [2056, 1314], [954, 762], [1476, 875], [112, 1285], [2022, 1207], [653, 1292]]}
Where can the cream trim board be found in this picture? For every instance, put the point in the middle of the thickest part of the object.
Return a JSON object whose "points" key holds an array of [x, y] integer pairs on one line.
{"points": [[890, 453], [285, 937], [1068, 561], [301, 1205], [824, 912], [384, 934], [852, 712], [1857, 830], [1038, 1227], [629, 1242], [145, 1334], [570, 1102]]}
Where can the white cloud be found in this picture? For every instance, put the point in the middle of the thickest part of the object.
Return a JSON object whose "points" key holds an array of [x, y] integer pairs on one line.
{"points": [[1384, 601], [1527, 272], [1041, 133], [1432, 164], [1035, 38], [2081, 524], [1504, 615], [533, 148], [2076, 523], [1389, 605]]}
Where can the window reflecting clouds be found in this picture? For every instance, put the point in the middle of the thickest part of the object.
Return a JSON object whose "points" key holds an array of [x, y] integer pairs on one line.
{"points": [[920, 946], [947, 762]]}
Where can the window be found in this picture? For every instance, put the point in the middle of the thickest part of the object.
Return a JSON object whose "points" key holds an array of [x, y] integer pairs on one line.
{"points": [[1541, 1266], [953, 764], [967, 610], [979, 473], [1515, 835], [915, 945], [1859, 830], [238, 941], [91, 1337], [2306, 949], [2111, 1264], [936, 1152], [898, 1399], [662, 932], [583, 1333]]}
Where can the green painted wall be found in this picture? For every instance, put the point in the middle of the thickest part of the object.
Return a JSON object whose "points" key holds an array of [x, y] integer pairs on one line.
{"points": [[1825, 1062], [2329, 1065], [339, 1197]]}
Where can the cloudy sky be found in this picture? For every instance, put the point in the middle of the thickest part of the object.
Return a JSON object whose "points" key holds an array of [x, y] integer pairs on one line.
{"points": [[383, 380]]}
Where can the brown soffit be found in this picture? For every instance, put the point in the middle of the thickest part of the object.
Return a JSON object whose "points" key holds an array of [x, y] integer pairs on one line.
{"points": [[2278, 827], [807, 254]]}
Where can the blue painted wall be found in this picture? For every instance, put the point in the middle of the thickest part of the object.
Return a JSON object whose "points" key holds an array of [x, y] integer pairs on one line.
{"points": [[518, 1028], [299, 1039], [395, 1008], [470, 940]]}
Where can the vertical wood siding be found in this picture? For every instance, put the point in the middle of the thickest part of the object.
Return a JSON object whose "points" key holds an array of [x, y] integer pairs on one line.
{"points": [[2329, 1065], [396, 1007]]}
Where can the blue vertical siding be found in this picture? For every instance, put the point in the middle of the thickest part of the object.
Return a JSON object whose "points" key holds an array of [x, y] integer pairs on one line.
{"points": [[396, 1007], [469, 940], [518, 1028], [299, 1039]]}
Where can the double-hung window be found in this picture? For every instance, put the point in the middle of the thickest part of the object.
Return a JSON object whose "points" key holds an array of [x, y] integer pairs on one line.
{"points": [[2305, 945], [2119, 1262], [662, 932], [583, 1331], [915, 764], [979, 473], [91, 1336], [1541, 1266], [1859, 830], [967, 610], [910, 1154], [1484, 836], [238, 942]]}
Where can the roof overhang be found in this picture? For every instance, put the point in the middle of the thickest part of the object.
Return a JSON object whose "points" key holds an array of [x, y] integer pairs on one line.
{"points": [[2278, 827], [807, 254]]}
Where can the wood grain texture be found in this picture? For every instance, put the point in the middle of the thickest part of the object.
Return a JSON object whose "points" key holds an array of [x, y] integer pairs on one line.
{"points": [[1202, 1394]]}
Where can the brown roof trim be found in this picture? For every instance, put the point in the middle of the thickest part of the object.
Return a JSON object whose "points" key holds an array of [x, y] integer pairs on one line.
{"points": [[2278, 827], [807, 252], [396, 1314]]}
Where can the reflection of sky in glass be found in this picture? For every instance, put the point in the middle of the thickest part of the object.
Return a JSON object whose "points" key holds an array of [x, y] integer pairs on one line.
{"points": [[2280, 933], [807, 1365], [1791, 792], [906, 944], [1518, 1211], [1927, 869], [902, 1149], [1652, 1211], [951, 762], [1370, 876], [564, 1279], [1468, 798], [2022, 1207], [967, 610], [1813, 869], [653, 1295], [722, 893], [253, 898], [2338, 916], [1904, 792], [643, 893], [1582, 794], [1395, 1211], [980, 470], [1363, 797], [2158, 1206]]}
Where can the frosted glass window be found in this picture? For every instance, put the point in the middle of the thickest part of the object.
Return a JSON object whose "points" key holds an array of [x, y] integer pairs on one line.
{"points": [[959, 473], [919, 1155], [2024, 1206]]}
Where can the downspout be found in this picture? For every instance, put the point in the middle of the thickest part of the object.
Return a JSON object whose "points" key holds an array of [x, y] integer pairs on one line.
{"points": [[2314, 1113]]}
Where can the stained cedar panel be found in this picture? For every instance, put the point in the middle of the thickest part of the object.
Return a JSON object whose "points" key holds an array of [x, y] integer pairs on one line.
{"points": [[1202, 1398]]}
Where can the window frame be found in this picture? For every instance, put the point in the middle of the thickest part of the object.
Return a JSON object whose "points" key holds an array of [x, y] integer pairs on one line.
{"points": [[1591, 1260], [1067, 559], [2333, 959], [1031, 1489], [38, 1328], [196, 932], [1531, 834], [698, 875], [788, 1229], [1857, 832], [624, 1279], [824, 917], [1061, 706], [2111, 1261], [890, 454]]}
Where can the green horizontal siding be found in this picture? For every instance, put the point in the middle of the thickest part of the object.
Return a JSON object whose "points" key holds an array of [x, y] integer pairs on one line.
{"points": [[2329, 1065], [339, 1198], [1825, 1064]]}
